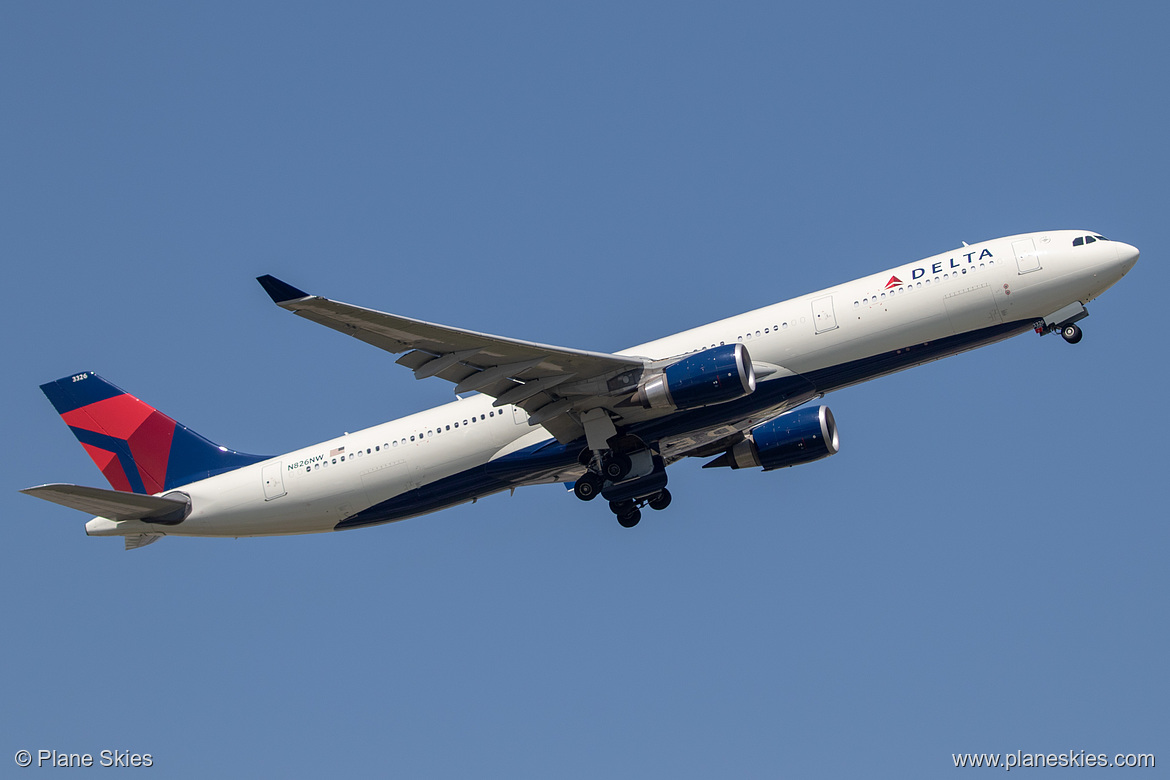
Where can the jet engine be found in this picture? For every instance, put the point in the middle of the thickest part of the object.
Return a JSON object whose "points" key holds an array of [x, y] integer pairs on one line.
{"points": [[793, 438], [712, 376]]}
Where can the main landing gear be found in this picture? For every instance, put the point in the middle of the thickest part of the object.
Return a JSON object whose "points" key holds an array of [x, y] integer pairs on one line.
{"points": [[640, 482], [629, 512], [588, 486], [614, 467], [621, 468]]}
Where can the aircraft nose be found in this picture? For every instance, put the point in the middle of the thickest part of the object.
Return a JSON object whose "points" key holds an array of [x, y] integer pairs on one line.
{"points": [[1127, 255]]}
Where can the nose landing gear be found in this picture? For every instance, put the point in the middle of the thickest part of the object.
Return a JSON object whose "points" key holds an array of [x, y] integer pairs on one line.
{"points": [[1064, 321], [1071, 333]]}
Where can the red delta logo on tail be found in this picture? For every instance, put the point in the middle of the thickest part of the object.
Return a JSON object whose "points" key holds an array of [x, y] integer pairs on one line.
{"points": [[146, 432], [138, 448]]}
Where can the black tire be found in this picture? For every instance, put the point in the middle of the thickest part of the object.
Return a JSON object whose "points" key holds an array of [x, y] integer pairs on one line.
{"points": [[619, 508], [1071, 333], [617, 466], [630, 519], [587, 487], [660, 501]]}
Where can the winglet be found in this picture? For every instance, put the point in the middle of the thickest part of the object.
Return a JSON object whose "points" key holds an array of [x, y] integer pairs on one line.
{"points": [[280, 292]]}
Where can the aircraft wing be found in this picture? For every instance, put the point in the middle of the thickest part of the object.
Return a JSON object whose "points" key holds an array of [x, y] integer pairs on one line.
{"points": [[550, 383]]}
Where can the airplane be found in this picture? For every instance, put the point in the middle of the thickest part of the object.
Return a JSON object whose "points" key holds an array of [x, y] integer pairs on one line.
{"points": [[734, 391]]}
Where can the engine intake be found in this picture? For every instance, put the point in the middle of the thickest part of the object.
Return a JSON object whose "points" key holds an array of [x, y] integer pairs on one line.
{"points": [[791, 439], [712, 376]]}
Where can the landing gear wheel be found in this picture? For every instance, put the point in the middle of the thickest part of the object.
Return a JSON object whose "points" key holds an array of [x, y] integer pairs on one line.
{"points": [[587, 487], [617, 466], [660, 501], [627, 512], [1071, 333], [630, 519]]}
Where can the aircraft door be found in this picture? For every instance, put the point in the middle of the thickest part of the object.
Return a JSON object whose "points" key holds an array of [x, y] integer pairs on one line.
{"points": [[823, 315], [1027, 258], [273, 479]]}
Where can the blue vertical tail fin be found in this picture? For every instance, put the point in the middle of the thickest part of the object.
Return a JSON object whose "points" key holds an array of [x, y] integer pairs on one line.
{"points": [[138, 448]]}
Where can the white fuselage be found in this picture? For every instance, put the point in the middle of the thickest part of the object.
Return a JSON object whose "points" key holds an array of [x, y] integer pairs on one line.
{"points": [[1015, 280]]}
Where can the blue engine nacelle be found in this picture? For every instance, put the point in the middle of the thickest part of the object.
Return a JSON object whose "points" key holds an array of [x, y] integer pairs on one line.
{"points": [[788, 440], [712, 376]]}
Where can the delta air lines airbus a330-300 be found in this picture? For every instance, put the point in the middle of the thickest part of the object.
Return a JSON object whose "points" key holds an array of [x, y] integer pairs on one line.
{"points": [[733, 391]]}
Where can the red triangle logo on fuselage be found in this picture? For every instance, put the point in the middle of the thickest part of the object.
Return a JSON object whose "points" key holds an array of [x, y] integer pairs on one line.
{"points": [[894, 282]]}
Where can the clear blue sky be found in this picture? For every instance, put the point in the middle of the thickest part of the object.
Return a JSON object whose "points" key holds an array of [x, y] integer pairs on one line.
{"points": [[983, 568]]}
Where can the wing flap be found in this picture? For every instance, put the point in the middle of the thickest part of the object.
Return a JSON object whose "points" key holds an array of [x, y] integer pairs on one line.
{"points": [[112, 504]]}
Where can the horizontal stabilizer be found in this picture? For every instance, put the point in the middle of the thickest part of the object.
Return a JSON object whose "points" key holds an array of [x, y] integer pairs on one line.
{"points": [[114, 504]]}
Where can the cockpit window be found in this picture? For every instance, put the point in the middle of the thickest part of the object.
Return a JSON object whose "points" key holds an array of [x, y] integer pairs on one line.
{"points": [[1082, 240], [1089, 239], [1079, 241], [1100, 238]]}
